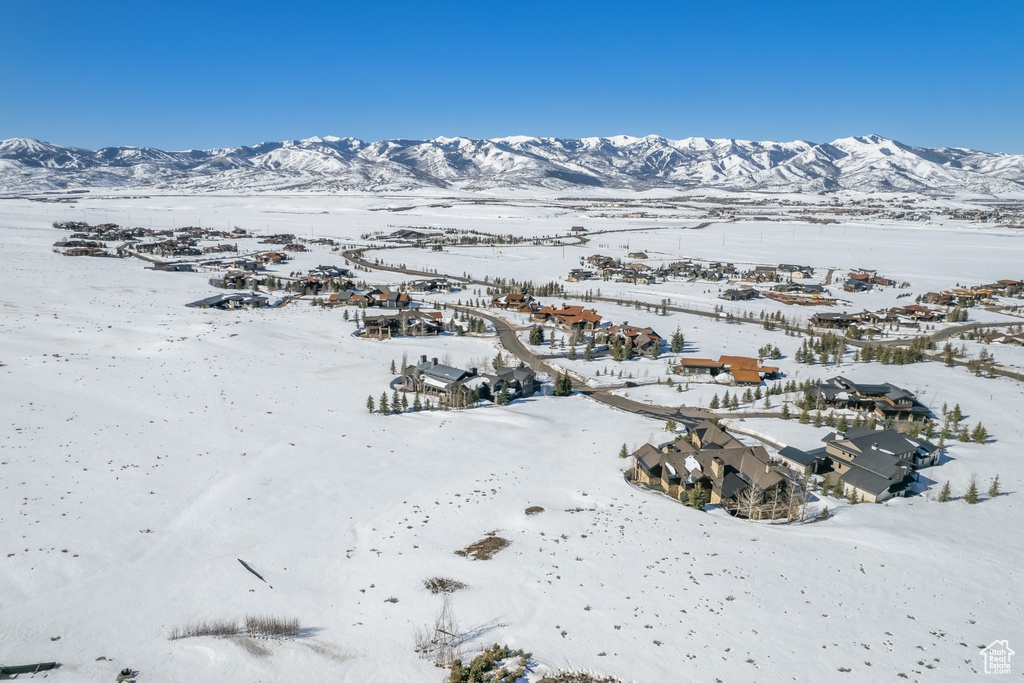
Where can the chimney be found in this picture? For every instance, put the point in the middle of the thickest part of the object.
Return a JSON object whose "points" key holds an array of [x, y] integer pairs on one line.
{"points": [[767, 467], [423, 359], [433, 362], [472, 371], [717, 467]]}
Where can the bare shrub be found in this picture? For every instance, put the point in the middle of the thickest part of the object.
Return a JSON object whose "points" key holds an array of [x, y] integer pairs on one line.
{"points": [[439, 584], [215, 627], [578, 677], [441, 641], [534, 510], [271, 627]]}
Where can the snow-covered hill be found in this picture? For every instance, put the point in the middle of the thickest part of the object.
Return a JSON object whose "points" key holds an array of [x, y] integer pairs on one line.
{"points": [[869, 163]]}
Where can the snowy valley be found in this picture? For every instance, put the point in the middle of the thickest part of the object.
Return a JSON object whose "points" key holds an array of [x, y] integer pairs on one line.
{"points": [[162, 466]]}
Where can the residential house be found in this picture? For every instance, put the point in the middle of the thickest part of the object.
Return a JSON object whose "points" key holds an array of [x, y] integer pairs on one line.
{"points": [[833, 321], [518, 382], [636, 255], [745, 371], [807, 462], [644, 339], [430, 286], [742, 479], [877, 465], [437, 379], [410, 322], [520, 302], [743, 294], [579, 275], [789, 271], [855, 286], [919, 313], [569, 317], [231, 301], [885, 400], [699, 366]]}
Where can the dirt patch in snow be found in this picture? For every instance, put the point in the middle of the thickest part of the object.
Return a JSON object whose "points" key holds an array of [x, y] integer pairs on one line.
{"points": [[485, 548]]}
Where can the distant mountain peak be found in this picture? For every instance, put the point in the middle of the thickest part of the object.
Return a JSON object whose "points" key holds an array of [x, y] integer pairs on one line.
{"points": [[331, 163]]}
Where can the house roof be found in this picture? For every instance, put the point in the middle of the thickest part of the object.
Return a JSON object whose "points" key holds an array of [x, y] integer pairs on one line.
{"points": [[859, 441], [710, 433], [700, 363], [802, 458], [871, 482], [445, 372]]}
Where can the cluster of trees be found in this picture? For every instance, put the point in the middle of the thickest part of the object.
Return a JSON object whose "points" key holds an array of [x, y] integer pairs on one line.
{"points": [[474, 325], [828, 346], [971, 497], [953, 427], [769, 351], [621, 349], [501, 286], [399, 402], [957, 315], [894, 355]]}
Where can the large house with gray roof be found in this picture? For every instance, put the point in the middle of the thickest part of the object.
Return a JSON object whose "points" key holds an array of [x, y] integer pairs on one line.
{"points": [[886, 401]]}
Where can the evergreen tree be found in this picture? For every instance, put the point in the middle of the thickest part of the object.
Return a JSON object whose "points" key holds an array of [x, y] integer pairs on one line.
{"points": [[384, 403], [805, 417], [824, 513], [817, 419], [572, 353], [563, 385], [405, 402], [971, 497], [697, 498], [963, 436], [714, 405], [392, 366], [843, 425], [851, 496], [623, 452], [536, 335], [785, 412], [726, 400], [677, 342], [944, 494], [757, 393], [627, 350], [396, 402], [417, 405], [993, 490], [504, 398], [826, 485], [369, 403], [979, 434], [670, 426], [735, 401], [588, 353]]}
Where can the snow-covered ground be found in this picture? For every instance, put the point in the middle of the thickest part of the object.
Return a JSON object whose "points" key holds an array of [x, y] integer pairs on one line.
{"points": [[146, 448]]}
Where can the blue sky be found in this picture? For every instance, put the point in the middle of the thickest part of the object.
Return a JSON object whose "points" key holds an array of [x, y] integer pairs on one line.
{"points": [[185, 74]]}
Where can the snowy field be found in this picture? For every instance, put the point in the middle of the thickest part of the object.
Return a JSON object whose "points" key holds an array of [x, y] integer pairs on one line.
{"points": [[146, 448]]}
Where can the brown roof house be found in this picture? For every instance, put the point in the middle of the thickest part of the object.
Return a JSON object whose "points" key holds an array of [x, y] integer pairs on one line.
{"points": [[742, 479]]}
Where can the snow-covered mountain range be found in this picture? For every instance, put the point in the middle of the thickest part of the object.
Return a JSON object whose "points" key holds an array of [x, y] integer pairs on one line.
{"points": [[869, 163]]}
